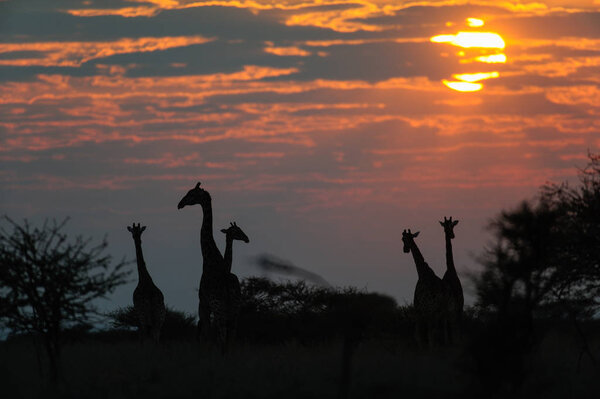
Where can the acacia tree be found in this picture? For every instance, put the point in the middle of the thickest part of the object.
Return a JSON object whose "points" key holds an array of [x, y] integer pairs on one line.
{"points": [[522, 267], [579, 252], [544, 261], [49, 282], [546, 253]]}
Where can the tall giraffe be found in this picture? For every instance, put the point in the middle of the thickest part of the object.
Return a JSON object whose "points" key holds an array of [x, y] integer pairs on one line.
{"points": [[430, 298], [451, 279], [233, 232], [148, 300], [213, 294]]}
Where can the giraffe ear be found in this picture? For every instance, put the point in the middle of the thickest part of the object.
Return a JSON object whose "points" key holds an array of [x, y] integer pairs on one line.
{"points": [[129, 228], [454, 223], [224, 231], [441, 223], [416, 234], [143, 228]]}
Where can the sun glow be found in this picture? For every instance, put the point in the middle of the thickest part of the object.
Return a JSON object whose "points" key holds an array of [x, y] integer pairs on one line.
{"points": [[492, 58], [487, 44], [474, 22], [472, 39], [463, 86], [475, 77]]}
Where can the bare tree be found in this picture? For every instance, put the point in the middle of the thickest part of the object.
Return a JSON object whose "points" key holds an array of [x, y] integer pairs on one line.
{"points": [[49, 282]]}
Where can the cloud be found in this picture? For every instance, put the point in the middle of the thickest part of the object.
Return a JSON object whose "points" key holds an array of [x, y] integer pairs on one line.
{"points": [[73, 54]]}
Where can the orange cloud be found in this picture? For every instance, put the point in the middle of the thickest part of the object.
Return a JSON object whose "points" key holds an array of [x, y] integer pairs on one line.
{"points": [[263, 155], [562, 68], [72, 54], [287, 51], [575, 95], [127, 12]]}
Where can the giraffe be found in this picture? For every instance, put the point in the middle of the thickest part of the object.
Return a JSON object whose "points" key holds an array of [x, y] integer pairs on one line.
{"points": [[431, 295], [452, 281], [233, 232], [148, 300], [213, 294]]}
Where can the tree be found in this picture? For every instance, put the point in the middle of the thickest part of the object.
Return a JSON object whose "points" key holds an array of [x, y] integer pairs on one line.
{"points": [[546, 254], [544, 261], [49, 283], [521, 268], [579, 209]]}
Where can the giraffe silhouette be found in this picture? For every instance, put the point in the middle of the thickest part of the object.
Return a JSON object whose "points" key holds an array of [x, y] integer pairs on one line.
{"points": [[148, 300], [452, 281], [233, 233], [430, 298], [214, 294]]}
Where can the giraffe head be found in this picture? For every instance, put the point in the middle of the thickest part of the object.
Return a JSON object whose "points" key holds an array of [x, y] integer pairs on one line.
{"points": [[448, 225], [235, 233], [195, 196], [408, 239], [136, 231]]}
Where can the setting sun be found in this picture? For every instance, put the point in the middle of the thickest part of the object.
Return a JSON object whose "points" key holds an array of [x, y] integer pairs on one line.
{"points": [[492, 59], [463, 86], [482, 47], [476, 77], [472, 39]]}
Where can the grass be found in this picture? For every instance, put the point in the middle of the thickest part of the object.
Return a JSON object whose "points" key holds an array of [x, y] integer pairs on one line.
{"points": [[385, 368]]}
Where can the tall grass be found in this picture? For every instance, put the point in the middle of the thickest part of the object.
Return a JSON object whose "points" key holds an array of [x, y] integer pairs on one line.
{"points": [[120, 367]]}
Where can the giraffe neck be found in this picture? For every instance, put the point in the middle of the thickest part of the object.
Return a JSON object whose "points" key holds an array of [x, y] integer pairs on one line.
{"points": [[143, 275], [449, 257], [211, 255], [228, 252], [422, 269]]}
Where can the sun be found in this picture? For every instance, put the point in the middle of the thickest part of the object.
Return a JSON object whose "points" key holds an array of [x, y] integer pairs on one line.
{"points": [[472, 39], [483, 47]]}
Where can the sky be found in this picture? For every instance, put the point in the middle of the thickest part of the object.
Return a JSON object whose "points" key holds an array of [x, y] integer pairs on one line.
{"points": [[323, 128]]}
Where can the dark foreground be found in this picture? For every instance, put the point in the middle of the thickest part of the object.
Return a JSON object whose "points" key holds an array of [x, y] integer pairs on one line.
{"points": [[120, 367]]}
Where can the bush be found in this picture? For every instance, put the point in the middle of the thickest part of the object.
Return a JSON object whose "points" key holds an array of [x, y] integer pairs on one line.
{"points": [[278, 312], [177, 324]]}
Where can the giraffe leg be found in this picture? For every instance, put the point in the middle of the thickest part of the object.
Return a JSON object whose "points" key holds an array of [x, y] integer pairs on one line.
{"points": [[456, 328], [431, 333], [419, 333], [220, 316], [446, 331], [203, 330], [223, 333], [155, 333], [232, 330], [142, 331]]}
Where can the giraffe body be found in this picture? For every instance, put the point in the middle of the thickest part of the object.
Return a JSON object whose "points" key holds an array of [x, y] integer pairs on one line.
{"points": [[452, 281], [430, 299], [233, 233], [148, 300], [214, 296]]}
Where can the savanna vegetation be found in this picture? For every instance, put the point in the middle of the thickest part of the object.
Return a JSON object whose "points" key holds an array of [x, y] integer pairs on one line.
{"points": [[533, 330]]}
